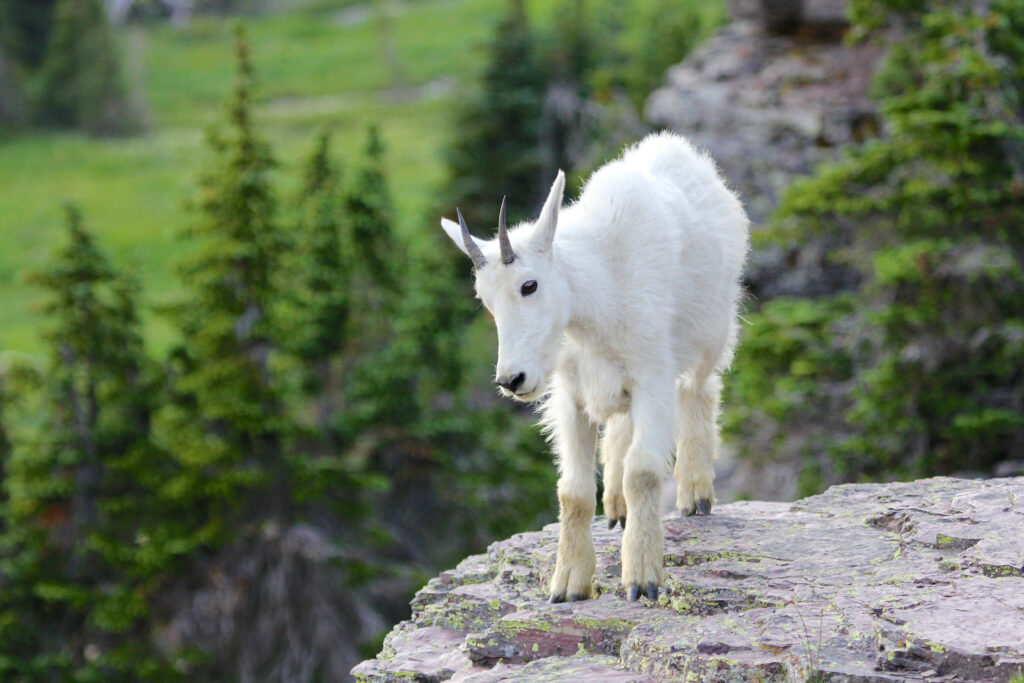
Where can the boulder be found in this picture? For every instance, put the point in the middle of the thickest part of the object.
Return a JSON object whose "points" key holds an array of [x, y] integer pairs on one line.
{"points": [[770, 96], [768, 107], [865, 582]]}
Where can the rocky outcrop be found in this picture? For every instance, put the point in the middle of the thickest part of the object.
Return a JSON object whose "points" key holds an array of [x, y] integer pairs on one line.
{"points": [[768, 106], [771, 95], [866, 582]]}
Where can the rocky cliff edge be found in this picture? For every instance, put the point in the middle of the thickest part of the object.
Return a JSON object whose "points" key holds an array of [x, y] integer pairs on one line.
{"points": [[865, 582]]}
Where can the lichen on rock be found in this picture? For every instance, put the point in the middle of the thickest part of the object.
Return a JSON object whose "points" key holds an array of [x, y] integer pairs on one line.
{"points": [[865, 582]]}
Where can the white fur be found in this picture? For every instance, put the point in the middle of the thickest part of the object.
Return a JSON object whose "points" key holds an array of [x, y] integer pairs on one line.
{"points": [[633, 320]]}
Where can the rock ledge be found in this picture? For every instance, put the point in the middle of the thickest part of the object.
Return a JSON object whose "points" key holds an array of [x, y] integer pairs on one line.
{"points": [[865, 582]]}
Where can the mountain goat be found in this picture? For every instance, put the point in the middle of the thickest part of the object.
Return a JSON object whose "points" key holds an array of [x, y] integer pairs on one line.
{"points": [[620, 310]]}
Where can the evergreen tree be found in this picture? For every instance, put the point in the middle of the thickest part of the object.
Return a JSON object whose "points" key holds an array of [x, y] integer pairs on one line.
{"points": [[661, 36], [73, 508], [377, 266], [25, 27], [498, 148], [5, 442], [374, 253], [324, 298], [254, 499], [5, 439], [572, 49], [916, 369], [226, 424], [79, 82], [11, 98]]}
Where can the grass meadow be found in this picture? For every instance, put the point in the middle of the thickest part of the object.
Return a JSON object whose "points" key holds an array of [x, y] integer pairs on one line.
{"points": [[317, 64]]}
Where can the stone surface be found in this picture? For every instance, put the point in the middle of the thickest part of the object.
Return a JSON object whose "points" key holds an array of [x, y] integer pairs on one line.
{"points": [[866, 582], [767, 107], [769, 104]]}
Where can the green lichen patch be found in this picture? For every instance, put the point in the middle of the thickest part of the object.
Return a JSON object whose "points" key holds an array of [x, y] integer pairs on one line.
{"points": [[690, 557], [685, 596], [529, 635], [999, 571], [466, 609], [954, 542]]}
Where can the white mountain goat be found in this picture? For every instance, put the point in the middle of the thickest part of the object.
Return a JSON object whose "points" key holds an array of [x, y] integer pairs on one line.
{"points": [[621, 310]]}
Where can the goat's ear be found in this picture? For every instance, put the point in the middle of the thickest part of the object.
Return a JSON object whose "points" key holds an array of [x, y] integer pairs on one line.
{"points": [[548, 221], [454, 233]]}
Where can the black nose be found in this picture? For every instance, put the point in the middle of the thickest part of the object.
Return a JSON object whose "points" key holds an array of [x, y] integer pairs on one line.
{"points": [[512, 383]]}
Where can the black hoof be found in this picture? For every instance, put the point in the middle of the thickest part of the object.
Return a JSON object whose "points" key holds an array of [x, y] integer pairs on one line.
{"points": [[622, 521], [555, 599], [611, 523], [577, 597], [692, 511], [633, 592], [704, 506]]}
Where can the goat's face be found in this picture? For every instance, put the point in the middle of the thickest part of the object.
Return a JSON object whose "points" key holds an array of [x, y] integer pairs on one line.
{"points": [[526, 294]]}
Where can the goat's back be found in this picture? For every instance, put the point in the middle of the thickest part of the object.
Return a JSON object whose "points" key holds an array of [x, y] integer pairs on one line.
{"points": [[673, 238], [665, 190]]}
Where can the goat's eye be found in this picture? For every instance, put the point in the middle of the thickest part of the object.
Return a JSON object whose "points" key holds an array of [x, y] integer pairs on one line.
{"points": [[528, 288]]}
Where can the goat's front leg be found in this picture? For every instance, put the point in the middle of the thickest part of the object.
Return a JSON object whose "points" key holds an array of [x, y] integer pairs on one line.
{"points": [[646, 466], [575, 437]]}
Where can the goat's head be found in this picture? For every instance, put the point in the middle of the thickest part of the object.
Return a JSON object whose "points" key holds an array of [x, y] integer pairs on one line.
{"points": [[525, 292]]}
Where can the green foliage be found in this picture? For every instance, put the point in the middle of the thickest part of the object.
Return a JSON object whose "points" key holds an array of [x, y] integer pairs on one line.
{"points": [[25, 27], [324, 298], [573, 36], [226, 424], [79, 82], [314, 71], [640, 45], [75, 596], [497, 150], [535, 108], [920, 362], [329, 378], [375, 257], [5, 401]]}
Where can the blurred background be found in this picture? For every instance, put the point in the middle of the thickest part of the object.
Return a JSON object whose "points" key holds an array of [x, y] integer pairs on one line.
{"points": [[246, 406]]}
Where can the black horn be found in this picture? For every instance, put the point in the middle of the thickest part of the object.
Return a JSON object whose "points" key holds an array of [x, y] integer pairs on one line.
{"points": [[507, 255], [475, 254]]}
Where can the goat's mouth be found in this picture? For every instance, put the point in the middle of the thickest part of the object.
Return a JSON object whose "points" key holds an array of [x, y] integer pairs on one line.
{"points": [[525, 396]]}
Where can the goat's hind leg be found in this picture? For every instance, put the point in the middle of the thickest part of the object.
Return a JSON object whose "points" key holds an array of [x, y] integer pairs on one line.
{"points": [[614, 442], [696, 442], [575, 438]]}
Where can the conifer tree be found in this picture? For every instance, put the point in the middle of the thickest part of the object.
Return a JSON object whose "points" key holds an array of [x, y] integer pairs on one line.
{"points": [[375, 256], [5, 441], [573, 49], [379, 390], [324, 299], [227, 422], [74, 510], [79, 83], [11, 102], [498, 148], [81, 343], [25, 27]]}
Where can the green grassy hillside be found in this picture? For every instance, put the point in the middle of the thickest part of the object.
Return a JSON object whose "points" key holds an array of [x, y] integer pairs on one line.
{"points": [[314, 68]]}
